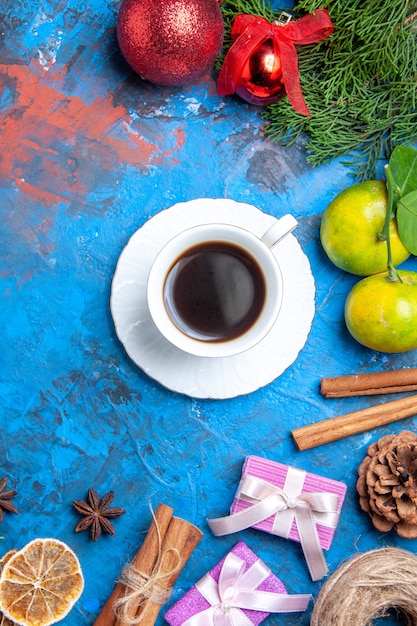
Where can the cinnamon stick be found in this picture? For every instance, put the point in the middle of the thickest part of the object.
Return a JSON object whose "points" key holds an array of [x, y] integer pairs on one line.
{"points": [[393, 381], [146, 557], [184, 537], [349, 424]]}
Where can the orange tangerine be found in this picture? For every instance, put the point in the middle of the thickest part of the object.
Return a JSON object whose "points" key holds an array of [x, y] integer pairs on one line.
{"points": [[40, 583], [382, 314], [350, 229]]}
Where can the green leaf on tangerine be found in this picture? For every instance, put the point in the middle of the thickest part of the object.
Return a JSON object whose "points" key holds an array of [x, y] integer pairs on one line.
{"points": [[407, 221], [403, 166]]}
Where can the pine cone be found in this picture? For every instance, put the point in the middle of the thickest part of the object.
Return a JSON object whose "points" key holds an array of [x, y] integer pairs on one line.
{"points": [[387, 484]]}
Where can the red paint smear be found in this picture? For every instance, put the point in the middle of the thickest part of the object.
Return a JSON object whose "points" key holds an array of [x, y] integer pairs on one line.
{"points": [[26, 278], [180, 136], [48, 131], [45, 196]]}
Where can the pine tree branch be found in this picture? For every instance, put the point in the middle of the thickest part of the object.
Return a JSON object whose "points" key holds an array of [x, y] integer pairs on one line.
{"points": [[359, 85]]}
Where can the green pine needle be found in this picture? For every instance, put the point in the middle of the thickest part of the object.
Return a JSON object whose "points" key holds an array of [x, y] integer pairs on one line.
{"points": [[359, 85]]}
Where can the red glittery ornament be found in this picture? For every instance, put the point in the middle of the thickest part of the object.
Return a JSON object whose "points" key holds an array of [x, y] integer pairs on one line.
{"points": [[261, 79], [170, 42]]}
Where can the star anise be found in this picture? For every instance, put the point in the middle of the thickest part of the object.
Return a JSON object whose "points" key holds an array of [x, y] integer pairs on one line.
{"points": [[96, 513], [6, 503]]}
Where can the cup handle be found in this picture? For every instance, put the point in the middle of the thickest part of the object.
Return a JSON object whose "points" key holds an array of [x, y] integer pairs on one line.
{"points": [[279, 230]]}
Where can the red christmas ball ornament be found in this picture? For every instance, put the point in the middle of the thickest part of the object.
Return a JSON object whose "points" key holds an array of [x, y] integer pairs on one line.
{"points": [[261, 79], [170, 42], [261, 65]]}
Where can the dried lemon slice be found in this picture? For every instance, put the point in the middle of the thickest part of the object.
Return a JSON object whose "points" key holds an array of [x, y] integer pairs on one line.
{"points": [[40, 584], [5, 621]]}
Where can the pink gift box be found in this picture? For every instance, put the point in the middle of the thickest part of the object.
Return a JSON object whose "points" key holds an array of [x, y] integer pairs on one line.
{"points": [[193, 602], [276, 473]]}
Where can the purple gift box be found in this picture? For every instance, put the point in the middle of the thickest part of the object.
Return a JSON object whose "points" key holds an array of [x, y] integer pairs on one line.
{"points": [[287, 502], [277, 474], [194, 604]]}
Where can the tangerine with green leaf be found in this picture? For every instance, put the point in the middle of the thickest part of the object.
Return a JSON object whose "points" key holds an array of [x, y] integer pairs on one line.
{"points": [[351, 227], [381, 313]]}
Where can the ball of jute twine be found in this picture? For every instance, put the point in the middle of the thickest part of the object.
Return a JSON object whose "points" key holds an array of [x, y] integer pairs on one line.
{"points": [[366, 587]]}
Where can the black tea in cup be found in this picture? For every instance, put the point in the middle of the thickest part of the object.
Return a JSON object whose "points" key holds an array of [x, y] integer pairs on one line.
{"points": [[215, 291]]}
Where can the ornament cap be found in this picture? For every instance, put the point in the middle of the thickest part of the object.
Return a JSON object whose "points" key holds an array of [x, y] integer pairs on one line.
{"points": [[283, 19]]}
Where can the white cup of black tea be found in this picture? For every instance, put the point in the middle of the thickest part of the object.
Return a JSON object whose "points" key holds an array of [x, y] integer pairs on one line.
{"points": [[215, 290]]}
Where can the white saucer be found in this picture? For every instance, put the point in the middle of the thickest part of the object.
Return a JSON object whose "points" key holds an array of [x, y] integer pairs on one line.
{"points": [[198, 377]]}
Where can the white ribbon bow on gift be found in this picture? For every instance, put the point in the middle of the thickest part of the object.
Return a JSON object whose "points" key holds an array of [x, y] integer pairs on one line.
{"points": [[237, 590], [285, 505]]}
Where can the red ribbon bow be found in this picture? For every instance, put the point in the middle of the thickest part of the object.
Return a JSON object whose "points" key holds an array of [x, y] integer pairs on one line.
{"points": [[250, 31]]}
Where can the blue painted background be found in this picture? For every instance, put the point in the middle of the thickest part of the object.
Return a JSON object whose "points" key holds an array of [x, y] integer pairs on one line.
{"points": [[88, 154]]}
